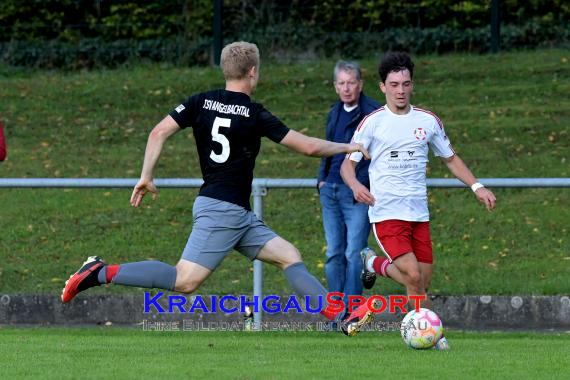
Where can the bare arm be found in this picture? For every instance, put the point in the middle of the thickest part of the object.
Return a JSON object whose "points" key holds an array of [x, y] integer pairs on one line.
{"points": [[312, 146], [348, 174], [159, 134], [458, 168]]}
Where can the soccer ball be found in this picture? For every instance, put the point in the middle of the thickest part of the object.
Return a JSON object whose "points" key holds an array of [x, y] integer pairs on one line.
{"points": [[422, 329]]}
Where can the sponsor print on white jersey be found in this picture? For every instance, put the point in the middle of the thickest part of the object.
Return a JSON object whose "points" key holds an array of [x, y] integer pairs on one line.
{"points": [[399, 147]]}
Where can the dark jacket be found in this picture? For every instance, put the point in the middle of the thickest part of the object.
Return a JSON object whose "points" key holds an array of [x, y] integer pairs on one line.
{"points": [[366, 105]]}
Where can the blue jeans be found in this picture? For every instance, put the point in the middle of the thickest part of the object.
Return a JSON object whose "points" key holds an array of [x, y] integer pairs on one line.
{"points": [[346, 227]]}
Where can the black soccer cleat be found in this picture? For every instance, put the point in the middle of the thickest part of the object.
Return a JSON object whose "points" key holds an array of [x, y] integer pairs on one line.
{"points": [[84, 278], [368, 278]]}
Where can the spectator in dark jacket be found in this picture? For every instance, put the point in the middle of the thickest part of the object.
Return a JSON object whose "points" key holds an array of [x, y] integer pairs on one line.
{"points": [[345, 222]]}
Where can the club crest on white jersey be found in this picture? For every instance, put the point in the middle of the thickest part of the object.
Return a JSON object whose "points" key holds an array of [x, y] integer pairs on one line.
{"points": [[420, 133]]}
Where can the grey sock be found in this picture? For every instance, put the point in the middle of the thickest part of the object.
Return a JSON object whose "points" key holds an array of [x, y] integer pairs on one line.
{"points": [[144, 274], [102, 275], [305, 284]]}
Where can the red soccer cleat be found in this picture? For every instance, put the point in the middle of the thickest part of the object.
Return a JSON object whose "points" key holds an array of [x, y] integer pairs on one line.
{"points": [[84, 278], [355, 321]]}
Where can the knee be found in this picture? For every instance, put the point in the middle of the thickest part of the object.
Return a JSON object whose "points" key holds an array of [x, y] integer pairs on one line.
{"points": [[280, 253], [185, 283], [414, 278], [185, 286], [291, 258]]}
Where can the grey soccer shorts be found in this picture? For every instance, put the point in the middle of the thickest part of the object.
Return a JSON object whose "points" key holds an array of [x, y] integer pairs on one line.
{"points": [[220, 227]]}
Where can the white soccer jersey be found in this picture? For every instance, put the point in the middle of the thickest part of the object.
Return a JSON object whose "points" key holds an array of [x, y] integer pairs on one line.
{"points": [[398, 146]]}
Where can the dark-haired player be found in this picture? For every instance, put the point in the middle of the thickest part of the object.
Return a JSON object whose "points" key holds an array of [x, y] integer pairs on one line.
{"points": [[398, 137]]}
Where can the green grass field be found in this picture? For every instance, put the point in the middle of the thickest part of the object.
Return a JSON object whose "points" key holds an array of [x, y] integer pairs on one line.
{"points": [[73, 353], [508, 115]]}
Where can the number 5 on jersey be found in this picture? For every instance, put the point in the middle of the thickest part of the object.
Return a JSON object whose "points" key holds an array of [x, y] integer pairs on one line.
{"points": [[221, 139]]}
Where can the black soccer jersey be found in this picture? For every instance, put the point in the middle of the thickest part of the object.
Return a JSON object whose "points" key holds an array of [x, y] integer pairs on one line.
{"points": [[228, 128]]}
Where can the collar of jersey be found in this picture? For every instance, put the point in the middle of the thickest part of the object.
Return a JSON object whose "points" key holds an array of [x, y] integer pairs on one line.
{"points": [[396, 115]]}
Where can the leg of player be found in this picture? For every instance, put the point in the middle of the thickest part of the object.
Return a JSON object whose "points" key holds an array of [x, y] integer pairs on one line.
{"points": [[426, 271], [393, 272], [196, 264], [409, 268], [94, 272], [185, 277], [377, 265], [189, 276], [285, 256]]}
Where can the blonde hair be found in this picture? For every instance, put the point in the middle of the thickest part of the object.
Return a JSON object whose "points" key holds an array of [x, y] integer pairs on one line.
{"points": [[238, 58]]}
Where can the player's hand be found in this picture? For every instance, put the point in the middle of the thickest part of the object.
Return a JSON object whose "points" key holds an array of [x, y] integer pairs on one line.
{"points": [[141, 188], [486, 197], [362, 194], [355, 147]]}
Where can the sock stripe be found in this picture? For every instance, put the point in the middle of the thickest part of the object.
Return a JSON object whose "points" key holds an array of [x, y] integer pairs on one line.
{"points": [[330, 314], [112, 271], [384, 267]]}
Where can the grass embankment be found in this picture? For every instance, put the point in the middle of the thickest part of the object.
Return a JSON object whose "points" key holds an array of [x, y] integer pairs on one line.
{"points": [[508, 116]]}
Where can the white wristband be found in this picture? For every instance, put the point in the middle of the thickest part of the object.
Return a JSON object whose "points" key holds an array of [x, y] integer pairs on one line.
{"points": [[476, 186]]}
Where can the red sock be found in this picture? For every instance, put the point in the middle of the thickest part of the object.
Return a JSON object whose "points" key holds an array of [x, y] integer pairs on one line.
{"points": [[330, 314], [331, 310], [110, 272], [380, 265]]}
